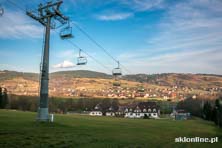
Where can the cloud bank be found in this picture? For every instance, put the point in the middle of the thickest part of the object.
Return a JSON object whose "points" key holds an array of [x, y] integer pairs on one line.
{"points": [[64, 64]]}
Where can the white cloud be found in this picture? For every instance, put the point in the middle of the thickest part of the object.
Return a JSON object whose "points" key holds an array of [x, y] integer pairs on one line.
{"points": [[65, 64], [114, 16], [189, 40], [15, 24]]}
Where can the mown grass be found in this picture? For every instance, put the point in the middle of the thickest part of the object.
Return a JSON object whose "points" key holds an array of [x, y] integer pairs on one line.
{"points": [[19, 129]]}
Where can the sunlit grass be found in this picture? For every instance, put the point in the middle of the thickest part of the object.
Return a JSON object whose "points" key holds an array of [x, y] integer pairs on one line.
{"points": [[19, 129]]}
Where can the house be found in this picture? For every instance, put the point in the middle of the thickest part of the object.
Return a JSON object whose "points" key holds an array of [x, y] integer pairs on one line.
{"points": [[110, 112], [142, 110], [121, 111], [180, 115], [97, 111]]}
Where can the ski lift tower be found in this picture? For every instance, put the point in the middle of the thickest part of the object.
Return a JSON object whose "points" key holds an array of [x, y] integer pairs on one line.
{"points": [[49, 16]]}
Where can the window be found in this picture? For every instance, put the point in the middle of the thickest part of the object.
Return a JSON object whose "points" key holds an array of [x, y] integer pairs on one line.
{"points": [[149, 110], [144, 110], [154, 110]]}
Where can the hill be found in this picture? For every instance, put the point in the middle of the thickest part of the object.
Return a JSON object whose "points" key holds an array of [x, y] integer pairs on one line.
{"points": [[196, 81], [96, 84], [6, 75], [81, 74], [19, 129]]}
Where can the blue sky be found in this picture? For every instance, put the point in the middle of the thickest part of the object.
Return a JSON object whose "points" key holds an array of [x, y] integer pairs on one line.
{"points": [[146, 36]]}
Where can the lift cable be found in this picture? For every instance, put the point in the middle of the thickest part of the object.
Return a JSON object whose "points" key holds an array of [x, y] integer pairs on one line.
{"points": [[98, 62], [88, 36], [99, 45]]}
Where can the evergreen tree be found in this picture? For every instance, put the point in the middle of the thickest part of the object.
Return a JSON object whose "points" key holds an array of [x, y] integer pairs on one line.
{"points": [[218, 112], [5, 94], [219, 116], [1, 97], [216, 108], [207, 111]]}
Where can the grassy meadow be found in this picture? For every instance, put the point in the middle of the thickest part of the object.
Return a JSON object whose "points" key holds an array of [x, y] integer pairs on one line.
{"points": [[19, 129]]}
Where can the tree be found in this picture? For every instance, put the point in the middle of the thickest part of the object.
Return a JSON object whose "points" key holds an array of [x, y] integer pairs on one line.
{"points": [[218, 106], [3, 97], [207, 111], [194, 106]]}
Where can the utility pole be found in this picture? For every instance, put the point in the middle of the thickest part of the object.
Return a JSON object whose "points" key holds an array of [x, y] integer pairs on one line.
{"points": [[45, 15]]}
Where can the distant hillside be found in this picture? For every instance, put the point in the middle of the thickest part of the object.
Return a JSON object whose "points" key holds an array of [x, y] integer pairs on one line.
{"points": [[81, 74], [96, 84], [166, 79], [172, 79], [7, 75]]}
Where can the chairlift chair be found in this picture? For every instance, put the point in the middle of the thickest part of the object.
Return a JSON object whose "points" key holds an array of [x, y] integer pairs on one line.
{"points": [[117, 71], [66, 33], [81, 60]]}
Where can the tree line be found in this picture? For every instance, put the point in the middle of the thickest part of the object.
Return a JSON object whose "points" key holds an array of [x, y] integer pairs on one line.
{"points": [[210, 110], [59, 105], [213, 112], [64, 105]]}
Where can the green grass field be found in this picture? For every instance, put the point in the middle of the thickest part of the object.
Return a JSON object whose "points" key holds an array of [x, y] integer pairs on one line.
{"points": [[19, 129]]}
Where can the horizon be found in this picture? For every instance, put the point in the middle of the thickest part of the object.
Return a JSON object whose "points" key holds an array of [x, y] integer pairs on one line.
{"points": [[111, 74], [147, 37]]}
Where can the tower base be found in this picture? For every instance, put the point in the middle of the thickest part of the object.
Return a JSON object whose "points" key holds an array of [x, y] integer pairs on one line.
{"points": [[43, 114]]}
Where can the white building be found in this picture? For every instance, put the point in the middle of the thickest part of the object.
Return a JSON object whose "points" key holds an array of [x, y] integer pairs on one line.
{"points": [[142, 110], [95, 113]]}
